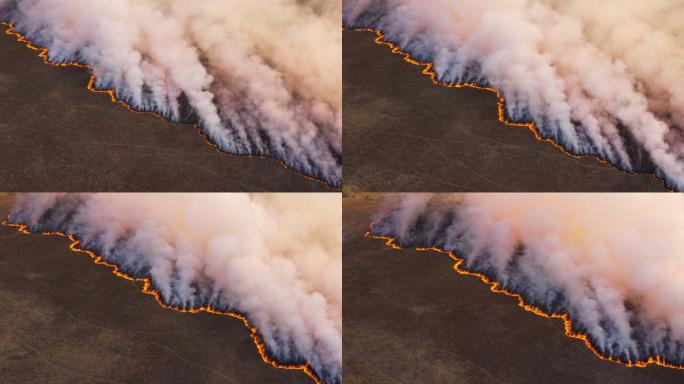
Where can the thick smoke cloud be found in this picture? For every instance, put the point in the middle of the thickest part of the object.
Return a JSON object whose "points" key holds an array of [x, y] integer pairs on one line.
{"points": [[613, 262], [602, 78], [262, 77], [277, 258]]}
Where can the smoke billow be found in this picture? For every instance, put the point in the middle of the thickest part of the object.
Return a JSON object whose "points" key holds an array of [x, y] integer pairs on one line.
{"points": [[260, 77], [277, 258], [602, 78], [613, 262]]}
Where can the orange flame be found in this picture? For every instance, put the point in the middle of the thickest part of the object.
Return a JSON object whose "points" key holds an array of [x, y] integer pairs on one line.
{"points": [[43, 54], [501, 102], [147, 289], [496, 288]]}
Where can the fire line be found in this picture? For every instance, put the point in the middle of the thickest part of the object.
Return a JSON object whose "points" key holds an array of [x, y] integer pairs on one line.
{"points": [[44, 56], [494, 287], [501, 102], [147, 289]]}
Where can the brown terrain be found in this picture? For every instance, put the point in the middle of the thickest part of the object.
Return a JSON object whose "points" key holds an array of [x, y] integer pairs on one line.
{"points": [[405, 134], [67, 320], [56, 135], [410, 318]]}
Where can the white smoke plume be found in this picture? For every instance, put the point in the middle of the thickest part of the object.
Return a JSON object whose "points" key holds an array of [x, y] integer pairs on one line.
{"points": [[261, 77], [276, 258], [613, 262], [602, 78]]}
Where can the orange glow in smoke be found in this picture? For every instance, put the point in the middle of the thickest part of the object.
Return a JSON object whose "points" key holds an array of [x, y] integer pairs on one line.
{"points": [[501, 102], [43, 54], [147, 289], [459, 267]]}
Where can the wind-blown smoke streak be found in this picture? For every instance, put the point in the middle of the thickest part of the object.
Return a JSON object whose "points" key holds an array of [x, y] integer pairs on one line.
{"points": [[274, 257], [602, 80], [609, 264], [261, 78]]}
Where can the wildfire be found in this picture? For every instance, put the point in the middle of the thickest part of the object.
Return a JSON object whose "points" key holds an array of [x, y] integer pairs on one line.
{"points": [[495, 287], [147, 289], [91, 86], [501, 102]]}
